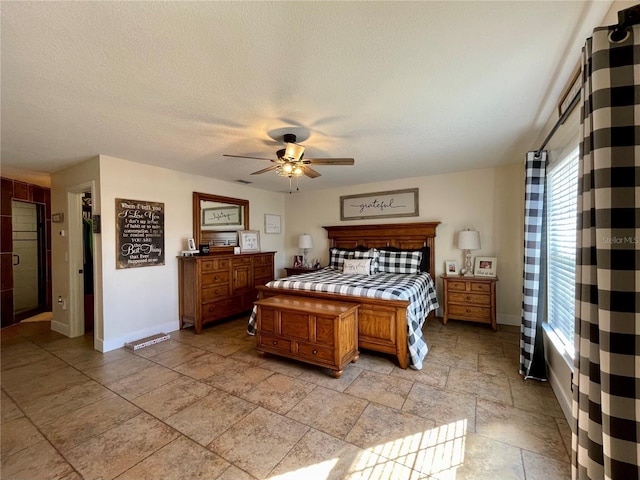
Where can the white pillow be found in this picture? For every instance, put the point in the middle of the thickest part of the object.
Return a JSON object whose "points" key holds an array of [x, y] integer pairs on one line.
{"points": [[356, 267]]}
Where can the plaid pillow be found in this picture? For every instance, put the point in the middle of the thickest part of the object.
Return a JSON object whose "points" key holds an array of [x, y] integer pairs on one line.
{"points": [[399, 262], [337, 257], [369, 254]]}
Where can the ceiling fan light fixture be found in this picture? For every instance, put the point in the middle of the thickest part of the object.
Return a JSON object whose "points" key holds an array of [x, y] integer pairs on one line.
{"points": [[293, 152]]}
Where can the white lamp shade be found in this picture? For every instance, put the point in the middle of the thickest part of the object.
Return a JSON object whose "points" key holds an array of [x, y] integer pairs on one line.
{"points": [[469, 240], [305, 241]]}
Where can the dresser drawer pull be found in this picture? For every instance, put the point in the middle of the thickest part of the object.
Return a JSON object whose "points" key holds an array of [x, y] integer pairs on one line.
{"points": [[211, 309], [468, 311], [315, 352], [468, 297], [275, 342]]}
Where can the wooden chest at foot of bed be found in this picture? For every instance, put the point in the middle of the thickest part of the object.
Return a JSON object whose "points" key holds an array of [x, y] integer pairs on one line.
{"points": [[317, 331]]}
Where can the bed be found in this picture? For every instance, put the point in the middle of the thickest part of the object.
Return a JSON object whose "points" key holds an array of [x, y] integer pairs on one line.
{"points": [[383, 324]]}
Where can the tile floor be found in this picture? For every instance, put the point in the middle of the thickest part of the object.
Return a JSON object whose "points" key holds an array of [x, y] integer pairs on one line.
{"points": [[208, 406]]}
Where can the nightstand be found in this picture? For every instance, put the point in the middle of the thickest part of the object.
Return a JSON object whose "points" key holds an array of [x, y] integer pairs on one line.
{"points": [[472, 299], [299, 270]]}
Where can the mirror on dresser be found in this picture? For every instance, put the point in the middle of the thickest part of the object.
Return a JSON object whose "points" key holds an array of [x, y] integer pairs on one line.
{"points": [[217, 220]]}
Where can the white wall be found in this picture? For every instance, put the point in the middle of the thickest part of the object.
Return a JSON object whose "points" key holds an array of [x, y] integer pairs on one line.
{"points": [[143, 301], [490, 200]]}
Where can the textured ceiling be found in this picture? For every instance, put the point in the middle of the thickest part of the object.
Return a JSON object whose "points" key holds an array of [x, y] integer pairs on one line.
{"points": [[406, 88]]}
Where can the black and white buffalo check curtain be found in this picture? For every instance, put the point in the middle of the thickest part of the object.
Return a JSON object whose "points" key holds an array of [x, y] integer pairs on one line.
{"points": [[606, 389], [534, 276]]}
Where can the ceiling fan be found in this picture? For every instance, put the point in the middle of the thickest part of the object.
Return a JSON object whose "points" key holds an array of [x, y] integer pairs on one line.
{"points": [[290, 161]]}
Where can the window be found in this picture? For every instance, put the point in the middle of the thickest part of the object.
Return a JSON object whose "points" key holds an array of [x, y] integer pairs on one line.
{"points": [[562, 197]]}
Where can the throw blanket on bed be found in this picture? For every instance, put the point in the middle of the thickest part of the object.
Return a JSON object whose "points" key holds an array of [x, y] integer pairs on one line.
{"points": [[418, 289]]}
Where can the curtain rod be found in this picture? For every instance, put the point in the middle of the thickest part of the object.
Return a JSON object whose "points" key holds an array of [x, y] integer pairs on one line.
{"points": [[626, 18]]}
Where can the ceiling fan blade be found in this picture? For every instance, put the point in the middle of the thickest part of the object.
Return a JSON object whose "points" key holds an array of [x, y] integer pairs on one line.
{"points": [[310, 172], [330, 161], [265, 170], [254, 158]]}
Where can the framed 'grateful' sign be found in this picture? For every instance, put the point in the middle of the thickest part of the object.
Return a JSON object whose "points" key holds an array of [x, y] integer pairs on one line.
{"points": [[391, 204]]}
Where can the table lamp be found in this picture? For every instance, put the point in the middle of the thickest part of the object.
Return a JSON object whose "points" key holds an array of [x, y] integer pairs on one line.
{"points": [[468, 240], [305, 243]]}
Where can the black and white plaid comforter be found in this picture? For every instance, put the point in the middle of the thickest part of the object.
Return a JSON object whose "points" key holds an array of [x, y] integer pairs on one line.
{"points": [[418, 289]]}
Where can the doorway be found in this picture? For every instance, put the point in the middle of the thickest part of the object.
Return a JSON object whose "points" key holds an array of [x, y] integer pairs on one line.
{"points": [[28, 259]]}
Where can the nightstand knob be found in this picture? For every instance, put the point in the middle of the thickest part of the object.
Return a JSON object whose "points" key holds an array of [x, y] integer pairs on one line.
{"points": [[468, 311], [468, 298], [275, 342], [315, 351]]}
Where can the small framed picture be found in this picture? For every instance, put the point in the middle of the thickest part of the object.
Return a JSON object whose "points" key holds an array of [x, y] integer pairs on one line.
{"points": [[485, 266], [451, 268], [298, 261], [249, 240], [272, 223], [191, 244]]}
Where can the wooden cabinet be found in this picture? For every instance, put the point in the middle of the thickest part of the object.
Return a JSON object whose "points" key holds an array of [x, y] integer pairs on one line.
{"points": [[317, 331], [214, 287], [470, 298], [299, 270]]}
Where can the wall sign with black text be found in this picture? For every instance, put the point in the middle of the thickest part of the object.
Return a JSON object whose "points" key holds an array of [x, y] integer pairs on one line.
{"points": [[139, 233]]}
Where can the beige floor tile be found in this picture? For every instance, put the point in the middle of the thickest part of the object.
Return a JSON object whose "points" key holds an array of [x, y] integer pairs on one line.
{"points": [[321, 456], [323, 377], [395, 435], [16, 377], [23, 355], [475, 458], [236, 377], [383, 389], [535, 396], [44, 408], [169, 399], [80, 425], [224, 346], [178, 355], [202, 366], [55, 380], [142, 381], [445, 341], [376, 362], [479, 344], [234, 473], [531, 431], [490, 387], [498, 365], [284, 365], [329, 411], [17, 435], [259, 441], [249, 355], [21, 465], [112, 371], [127, 444], [215, 413], [442, 406], [86, 359], [8, 409], [433, 374], [279, 393], [180, 459], [452, 358], [539, 467]]}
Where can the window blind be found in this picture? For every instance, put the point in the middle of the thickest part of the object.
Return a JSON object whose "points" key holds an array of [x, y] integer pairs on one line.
{"points": [[562, 197]]}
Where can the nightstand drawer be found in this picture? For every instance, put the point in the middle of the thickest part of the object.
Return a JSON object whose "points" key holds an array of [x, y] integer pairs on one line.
{"points": [[477, 299], [460, 286], [481, 287], [468, 311]]}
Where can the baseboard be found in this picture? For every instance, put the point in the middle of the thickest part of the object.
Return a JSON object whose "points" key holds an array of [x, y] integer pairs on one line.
{"points": [[60, 328], [514, 320], [563, 400], [112, 344]]}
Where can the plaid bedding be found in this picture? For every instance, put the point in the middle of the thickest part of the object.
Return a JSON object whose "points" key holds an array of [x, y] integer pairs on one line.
{"points": [[418, 289]]}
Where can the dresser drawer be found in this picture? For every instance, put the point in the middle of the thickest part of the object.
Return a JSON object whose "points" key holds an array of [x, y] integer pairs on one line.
{"points": [[259, 272], [478, 299], [470, 312], [316, 352], [481, 287], [215, 278], [215, 310], [214, 264], [272, 343], [262, 260], [457, 285], [216, 292], [241, 261]]}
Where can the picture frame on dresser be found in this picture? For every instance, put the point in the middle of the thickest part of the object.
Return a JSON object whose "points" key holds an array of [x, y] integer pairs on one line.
{"points": [[485, 266], [451, 268], [249, 241]]}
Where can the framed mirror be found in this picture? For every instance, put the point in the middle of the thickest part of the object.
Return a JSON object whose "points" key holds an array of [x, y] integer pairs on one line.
{"points": [[217, 219]]}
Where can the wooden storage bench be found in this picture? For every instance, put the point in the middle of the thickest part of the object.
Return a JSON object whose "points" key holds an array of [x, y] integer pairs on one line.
{"points": [[317, 331]]}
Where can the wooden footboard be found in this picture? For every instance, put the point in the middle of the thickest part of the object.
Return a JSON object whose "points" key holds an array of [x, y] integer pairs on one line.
{"points": [[382, 324]]}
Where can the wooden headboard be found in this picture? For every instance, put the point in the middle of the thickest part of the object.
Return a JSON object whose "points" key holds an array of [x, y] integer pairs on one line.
{"points": [[400, 235]]}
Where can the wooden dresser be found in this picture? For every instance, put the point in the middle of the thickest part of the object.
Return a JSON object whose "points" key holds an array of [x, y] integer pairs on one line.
{"points": [[317, 331], [217, 286], [470, 298]]}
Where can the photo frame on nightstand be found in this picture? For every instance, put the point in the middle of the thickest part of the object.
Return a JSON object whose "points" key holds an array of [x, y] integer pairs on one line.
{"points": [[451, 268], [485, 266]]}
